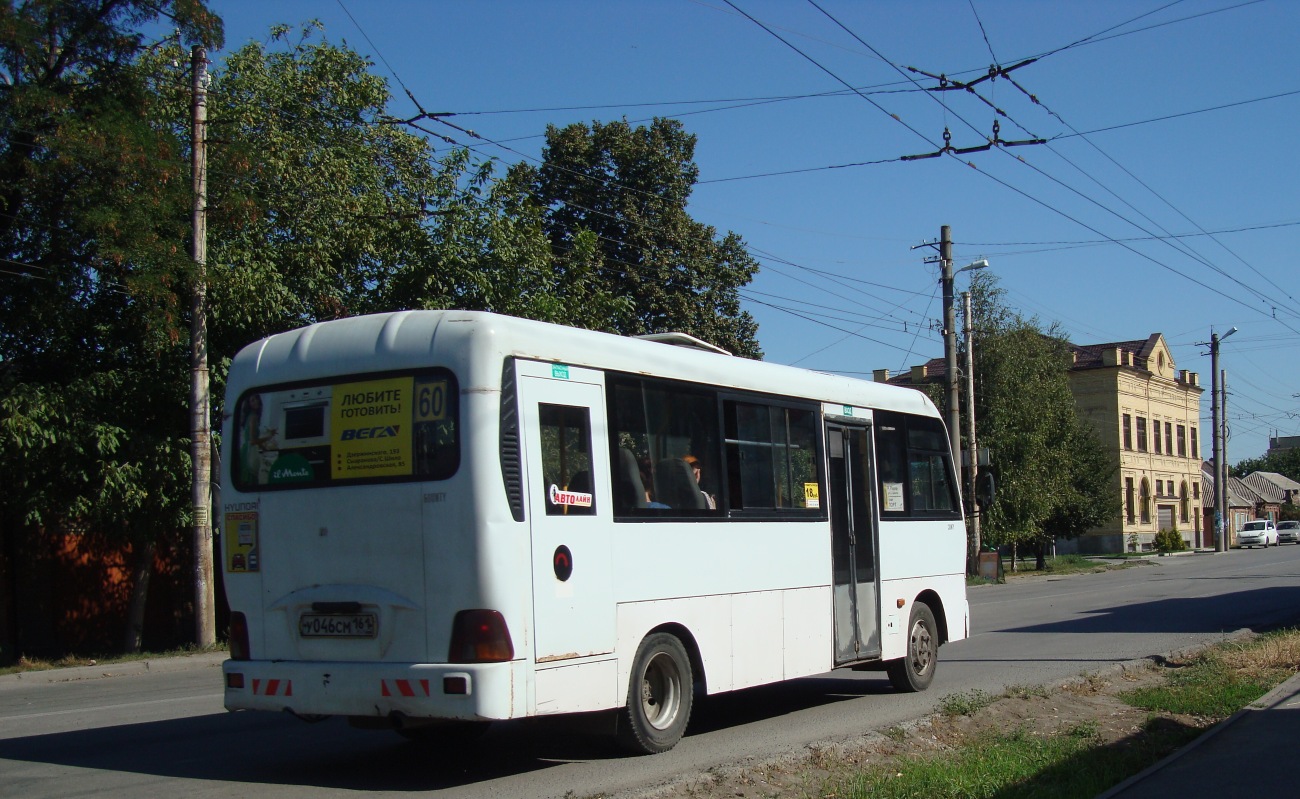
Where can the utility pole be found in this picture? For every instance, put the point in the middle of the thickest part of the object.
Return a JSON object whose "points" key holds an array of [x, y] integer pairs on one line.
{"points": [[1222, 433], [1220, 511], [973, 532], [950, 345], [1218, 424], [200, 413]]}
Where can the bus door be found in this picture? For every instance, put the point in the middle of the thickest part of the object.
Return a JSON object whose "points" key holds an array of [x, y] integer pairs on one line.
{"points": [[853, 543], [569, 508]]}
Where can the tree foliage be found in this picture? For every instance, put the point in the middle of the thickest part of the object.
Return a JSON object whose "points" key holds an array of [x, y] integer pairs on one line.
{"points": [[320, 205], [1284, 462], [625, 189], [93, 199], [1053, 476]]}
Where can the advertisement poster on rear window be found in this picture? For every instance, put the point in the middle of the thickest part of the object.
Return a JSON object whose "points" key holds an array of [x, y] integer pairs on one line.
{"points": [[371, 429], [386, 428]]}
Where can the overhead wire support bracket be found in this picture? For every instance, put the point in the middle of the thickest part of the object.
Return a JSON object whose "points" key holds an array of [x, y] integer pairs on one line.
{"points": [[979, 148]]}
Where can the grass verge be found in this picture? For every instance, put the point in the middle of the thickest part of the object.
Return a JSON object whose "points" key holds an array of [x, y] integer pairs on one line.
{"points": [[25, 663], [1056, 566], [1076, 761]]}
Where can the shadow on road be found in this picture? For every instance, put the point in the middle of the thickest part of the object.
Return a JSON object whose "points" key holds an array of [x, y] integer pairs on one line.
{"points": [[1258, 609], [270, 749]]}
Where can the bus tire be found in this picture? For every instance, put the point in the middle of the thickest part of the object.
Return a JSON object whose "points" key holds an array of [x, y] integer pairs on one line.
{"points": [[659, 697], [915, 671]]}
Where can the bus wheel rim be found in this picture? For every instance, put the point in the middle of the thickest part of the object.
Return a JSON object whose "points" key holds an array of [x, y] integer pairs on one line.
{"points": [[922, 648], [661, 687]]}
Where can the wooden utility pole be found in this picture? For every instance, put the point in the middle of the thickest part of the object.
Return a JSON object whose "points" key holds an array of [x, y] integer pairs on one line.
{"points": [[950, 346], [200, 414]]}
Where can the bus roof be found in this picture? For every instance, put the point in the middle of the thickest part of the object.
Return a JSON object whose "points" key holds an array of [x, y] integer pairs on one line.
{"points": [[413, 339]]}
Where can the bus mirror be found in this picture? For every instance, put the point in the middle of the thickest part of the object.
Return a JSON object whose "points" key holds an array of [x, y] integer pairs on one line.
{"points": [[985, 490]]}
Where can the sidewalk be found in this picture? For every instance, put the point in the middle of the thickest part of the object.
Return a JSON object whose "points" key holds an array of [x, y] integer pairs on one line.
{"points": [[1247, 755], [202, 660]]}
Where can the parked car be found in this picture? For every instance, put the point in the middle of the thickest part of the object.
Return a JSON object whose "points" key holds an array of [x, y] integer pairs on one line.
{"points": [[1288, 532], [1261, 532]]}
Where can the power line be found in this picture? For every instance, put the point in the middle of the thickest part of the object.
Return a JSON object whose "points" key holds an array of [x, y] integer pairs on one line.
{"points": [[952, 153]]}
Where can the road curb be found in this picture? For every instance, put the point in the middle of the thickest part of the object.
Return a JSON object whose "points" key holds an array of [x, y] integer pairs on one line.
{"points": [[201, 660]]}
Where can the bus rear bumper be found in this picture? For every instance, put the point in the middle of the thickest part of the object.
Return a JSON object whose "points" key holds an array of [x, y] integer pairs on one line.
{"points": [[480, 691]]}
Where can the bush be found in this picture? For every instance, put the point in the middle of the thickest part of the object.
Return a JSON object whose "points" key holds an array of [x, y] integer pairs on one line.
{"points": [[1168, 540]]}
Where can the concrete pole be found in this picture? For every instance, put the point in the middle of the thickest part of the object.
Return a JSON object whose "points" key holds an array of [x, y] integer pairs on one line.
{"points": [[1223, 448], [1220, 507], [973, 532]]}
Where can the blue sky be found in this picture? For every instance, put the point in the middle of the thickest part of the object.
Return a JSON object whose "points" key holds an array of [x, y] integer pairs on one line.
{"points": [[1145, 212]]}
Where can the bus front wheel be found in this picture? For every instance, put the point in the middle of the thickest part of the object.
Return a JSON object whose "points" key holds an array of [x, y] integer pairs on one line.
{"points": [[915, 671], [659, 697]]}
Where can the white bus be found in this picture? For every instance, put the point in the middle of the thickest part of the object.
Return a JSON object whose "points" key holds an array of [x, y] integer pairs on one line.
{"points": [[436, 519]]}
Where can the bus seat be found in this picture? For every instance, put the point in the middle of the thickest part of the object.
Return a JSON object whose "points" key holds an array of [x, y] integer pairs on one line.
{"points": [[629, 491], [581, 482], [675, 485]]}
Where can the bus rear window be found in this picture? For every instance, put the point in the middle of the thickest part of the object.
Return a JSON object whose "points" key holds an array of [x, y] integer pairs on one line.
{"points": [[355, 430]]}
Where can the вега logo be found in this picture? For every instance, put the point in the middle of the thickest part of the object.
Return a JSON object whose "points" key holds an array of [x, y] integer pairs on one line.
{"points": [[359, 433]]}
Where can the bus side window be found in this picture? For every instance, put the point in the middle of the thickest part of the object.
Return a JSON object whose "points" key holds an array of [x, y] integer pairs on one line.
{"points": [[565, 434], [772, 457], [912, 467], [927, 466]]}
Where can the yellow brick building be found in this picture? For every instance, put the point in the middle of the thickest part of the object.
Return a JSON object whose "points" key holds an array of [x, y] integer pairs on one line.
{"points": [[1147, 415]]}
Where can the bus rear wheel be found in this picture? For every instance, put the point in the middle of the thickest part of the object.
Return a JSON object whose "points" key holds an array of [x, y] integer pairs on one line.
{"points": [[659, 697], [915, 671]]}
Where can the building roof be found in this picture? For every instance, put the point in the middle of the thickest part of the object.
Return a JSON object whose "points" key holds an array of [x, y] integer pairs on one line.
{"points": [[1273, 487], [1150, 355], [932, 371], [1089, 356], [1241, 495]]}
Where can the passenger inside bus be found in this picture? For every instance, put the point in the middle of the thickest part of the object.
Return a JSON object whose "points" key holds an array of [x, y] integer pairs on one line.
{"points": [[709, 501], [675, 484]]}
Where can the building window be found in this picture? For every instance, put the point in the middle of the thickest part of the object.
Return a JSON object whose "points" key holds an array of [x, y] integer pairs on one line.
{"points": [[1144, 502], [1169, 439], [1155, 436], [1130, 507], [1196, 490], [1183, 505], [1196, 449], [1128, 431], [1142, 433], [1182, 441]]}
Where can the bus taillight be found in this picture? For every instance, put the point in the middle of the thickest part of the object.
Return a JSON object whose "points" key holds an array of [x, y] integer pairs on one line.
{"points": [[238, 636], [480, 636]]}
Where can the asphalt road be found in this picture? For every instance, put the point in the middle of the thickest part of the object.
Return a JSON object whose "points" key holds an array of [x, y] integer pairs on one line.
{"points": [[125, 731]]}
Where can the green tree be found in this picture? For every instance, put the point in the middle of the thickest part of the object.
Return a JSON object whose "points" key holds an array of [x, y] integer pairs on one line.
{"points": [[1053, 476], [324, 206], [94, 198], [628, 188], [1284, 462]]}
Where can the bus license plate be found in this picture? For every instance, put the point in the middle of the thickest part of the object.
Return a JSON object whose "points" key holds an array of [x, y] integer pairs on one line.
{"points": [[337, 625]]}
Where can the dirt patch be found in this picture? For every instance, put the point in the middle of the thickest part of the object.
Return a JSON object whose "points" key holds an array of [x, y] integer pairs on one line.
{"points": [[1090, 704]]}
